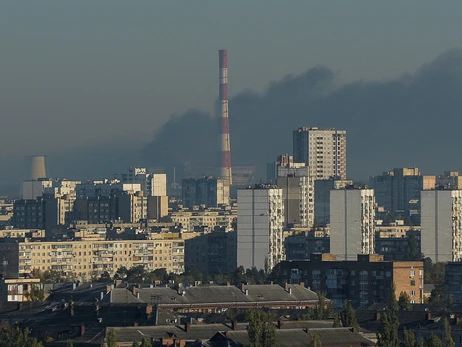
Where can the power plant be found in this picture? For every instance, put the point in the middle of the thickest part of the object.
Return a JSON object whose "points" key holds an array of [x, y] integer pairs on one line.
{"points": [[225, 171]]}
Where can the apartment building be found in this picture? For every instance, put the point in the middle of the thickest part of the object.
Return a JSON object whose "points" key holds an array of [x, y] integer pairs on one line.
{"points": [[151, 184], [453, 282], [441, 225], [352, 219], [363, 282], [394, 241], [322, 190], [191, 220], [104, 188], [90, 257], [211, 252], [298, 193], [260, 225], [207, 191], [302, 245], [323, 150], [398, 191]]}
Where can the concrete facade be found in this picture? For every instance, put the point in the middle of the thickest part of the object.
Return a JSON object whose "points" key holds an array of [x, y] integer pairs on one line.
{"points": [[352, 214], [441, 228], [322, 190], [208, 191], [260, 225], [298, 194], [323, 150]]}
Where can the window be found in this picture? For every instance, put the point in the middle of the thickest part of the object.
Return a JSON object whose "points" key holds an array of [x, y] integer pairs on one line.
{"points": [[412, 273], [412, 293], [412, 283]]}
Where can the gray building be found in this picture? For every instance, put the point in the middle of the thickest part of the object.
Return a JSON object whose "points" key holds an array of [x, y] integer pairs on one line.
{"points": [[322, 190], [301, 246], [352, 218], [208, 191]]}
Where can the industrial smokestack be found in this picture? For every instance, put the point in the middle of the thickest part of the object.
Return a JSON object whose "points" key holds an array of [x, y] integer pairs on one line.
{"points": [[37, 167], [224, 134]]}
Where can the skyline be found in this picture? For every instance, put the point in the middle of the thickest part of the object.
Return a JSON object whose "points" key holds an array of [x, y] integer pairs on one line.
{"points": [[117, 79]]}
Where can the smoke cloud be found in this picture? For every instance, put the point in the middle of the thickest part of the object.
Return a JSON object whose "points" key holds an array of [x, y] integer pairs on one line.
{"points": [[413, 120]]}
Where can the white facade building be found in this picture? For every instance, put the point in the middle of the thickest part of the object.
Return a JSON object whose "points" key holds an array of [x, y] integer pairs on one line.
{"points": [[323, 150], [93, 189], [298, 193], [260, 222], [352, 214], [151, 184], [441, 225]]}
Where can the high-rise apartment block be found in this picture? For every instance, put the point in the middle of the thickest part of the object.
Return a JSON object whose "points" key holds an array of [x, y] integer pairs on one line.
{"points": [[151, 184], [323, 150], [298, 194], [352, 214], [322, 190], [398, 191], [260, 225], [441, 228], [208, 191]]}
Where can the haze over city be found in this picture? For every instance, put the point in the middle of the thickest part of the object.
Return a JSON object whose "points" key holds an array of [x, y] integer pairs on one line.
{"points": [[99, 86]]}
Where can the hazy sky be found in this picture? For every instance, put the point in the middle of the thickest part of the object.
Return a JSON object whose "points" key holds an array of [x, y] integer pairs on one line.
{"points": [[84, 72]]}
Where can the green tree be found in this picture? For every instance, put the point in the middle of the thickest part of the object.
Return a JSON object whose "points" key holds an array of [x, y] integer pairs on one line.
{"points": [[391, 301], [135, 344], [145, 342], [412, 252], [337, 323], [447, 340], [404, 302], [315, 341], [433, 341], [111, 338], [409, 338], [261, 330], [348, 316], [16, 337], [69, 343], [388, 332]]}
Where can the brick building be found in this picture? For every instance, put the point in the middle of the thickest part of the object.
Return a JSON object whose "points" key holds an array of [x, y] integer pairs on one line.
{"points": [[362, 282]]}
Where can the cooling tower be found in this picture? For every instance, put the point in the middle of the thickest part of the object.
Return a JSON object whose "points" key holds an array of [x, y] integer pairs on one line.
{"points": [[37, 167]]}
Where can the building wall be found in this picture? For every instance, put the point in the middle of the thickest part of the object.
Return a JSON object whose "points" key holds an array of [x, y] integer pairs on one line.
{"points": [[441, 225], [260, 224], [362, 282], [91, 258], [191, 220], [323, 150], [352, 222], [157, 207], [32, 189], [208, 191], [298, 194], [322, 190]]}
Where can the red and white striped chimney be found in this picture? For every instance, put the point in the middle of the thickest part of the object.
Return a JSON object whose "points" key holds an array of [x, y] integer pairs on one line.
{"points": [[224, 134]]}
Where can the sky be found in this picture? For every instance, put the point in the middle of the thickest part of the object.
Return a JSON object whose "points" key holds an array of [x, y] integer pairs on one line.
{"points": [[85, 73]]}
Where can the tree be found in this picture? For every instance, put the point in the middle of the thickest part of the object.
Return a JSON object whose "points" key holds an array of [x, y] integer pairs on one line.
{"points": [[412, 252], [16, 337], [388, 332], [337, 323], [348, 316], [447, 340], [320, 312], [135, 344], [315, 341], [145, 342], [404, 302], [69, 343], [409, 338], [111, 338], [391, 301], [433, 341], [261, 330]]}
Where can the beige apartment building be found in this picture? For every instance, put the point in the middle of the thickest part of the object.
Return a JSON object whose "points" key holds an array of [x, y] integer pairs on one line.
{"points": [[190, 220], [92, 256]]}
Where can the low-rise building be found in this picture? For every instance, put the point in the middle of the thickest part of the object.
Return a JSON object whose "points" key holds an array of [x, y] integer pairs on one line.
{"points": [[363, 282], [17, 289]]}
